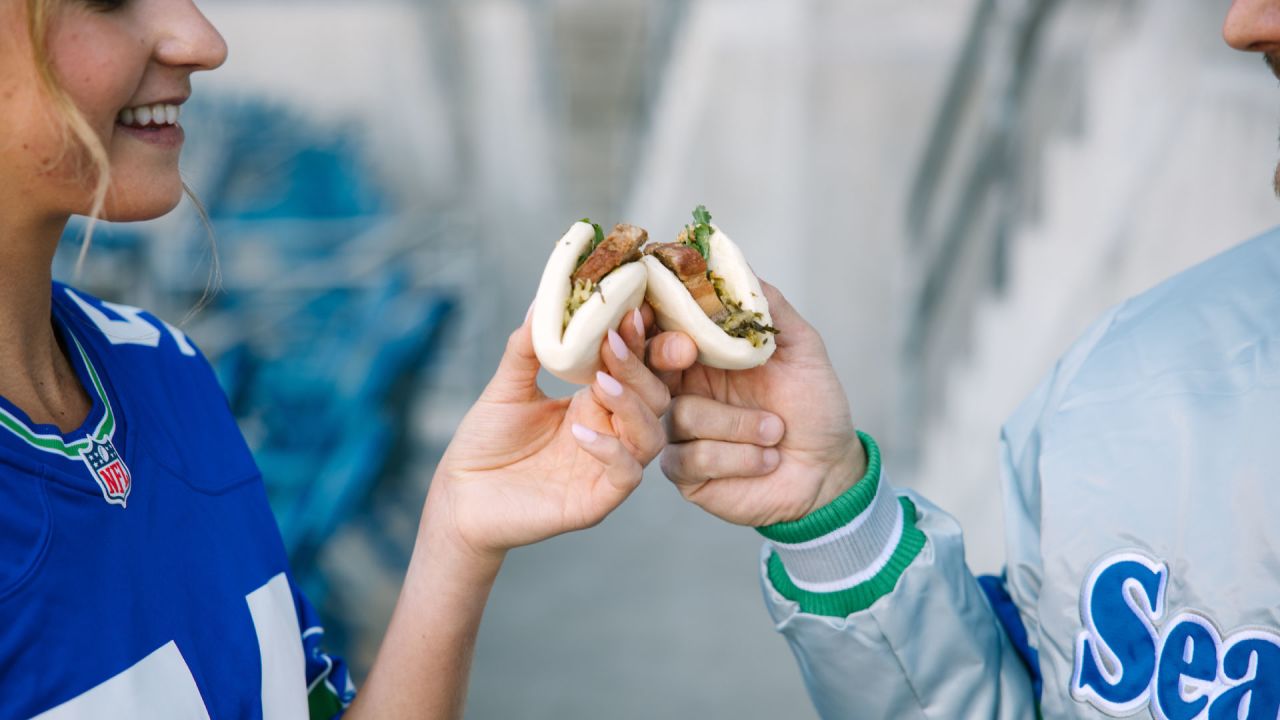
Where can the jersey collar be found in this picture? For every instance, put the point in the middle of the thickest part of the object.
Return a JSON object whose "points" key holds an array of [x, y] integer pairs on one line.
{"points": [[58, 444]]}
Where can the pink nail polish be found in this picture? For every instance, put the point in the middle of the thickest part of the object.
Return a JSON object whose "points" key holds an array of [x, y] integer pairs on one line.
{"points": [[528, 312], [584, 433], [638, 320], [608, 384], [618, 347]]}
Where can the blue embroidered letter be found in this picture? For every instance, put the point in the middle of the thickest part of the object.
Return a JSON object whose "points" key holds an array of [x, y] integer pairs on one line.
{"points": [[1258, 652], [1116, 652], [1190, 650]]}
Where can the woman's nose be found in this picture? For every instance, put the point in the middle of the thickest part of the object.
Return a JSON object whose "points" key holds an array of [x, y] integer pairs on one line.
{"points": [[189, 39]]}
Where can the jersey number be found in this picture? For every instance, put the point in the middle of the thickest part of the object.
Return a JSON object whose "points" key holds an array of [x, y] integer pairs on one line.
{"points": [[132, 328], [160, 686]]}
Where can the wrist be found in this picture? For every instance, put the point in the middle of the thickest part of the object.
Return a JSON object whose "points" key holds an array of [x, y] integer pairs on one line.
{"points": [[846, 472], [444, 544], [844, 556], [857, 488]]}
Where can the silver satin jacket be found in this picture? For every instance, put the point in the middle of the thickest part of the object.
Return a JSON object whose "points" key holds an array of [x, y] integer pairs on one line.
{"points": [[1141, 487]]}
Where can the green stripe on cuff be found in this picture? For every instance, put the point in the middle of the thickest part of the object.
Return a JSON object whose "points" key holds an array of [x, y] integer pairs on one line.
{"points": [[837, 513], [843, 603]]}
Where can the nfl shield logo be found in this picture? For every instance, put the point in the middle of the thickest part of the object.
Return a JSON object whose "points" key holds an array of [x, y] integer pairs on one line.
{"points": [[109, 470]]}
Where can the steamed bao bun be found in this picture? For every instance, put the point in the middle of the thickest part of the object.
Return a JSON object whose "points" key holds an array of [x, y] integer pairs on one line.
{"points": [[675, 308], [574, 354]]}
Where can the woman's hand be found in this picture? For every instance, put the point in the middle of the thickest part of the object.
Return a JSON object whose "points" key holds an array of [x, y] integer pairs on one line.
{"points": [[523, 467], [764, 445]]}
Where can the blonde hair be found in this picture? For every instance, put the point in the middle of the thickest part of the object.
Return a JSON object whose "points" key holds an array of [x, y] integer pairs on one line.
{"points": [[77, 132]]}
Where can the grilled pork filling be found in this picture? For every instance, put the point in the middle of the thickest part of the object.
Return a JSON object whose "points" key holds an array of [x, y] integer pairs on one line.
{"points": [[708, 291], [621, 246]]}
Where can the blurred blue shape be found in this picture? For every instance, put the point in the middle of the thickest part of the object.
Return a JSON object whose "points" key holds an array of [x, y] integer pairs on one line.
{"points": [[325, 414], [272, 164]]}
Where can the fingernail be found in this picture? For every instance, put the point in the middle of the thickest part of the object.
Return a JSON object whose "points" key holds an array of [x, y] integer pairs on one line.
{"points": [[770, 457], [583, 433], [771, 429], [669, 351], [618, 347], [608, 384], [528, 312], [638, 320]]}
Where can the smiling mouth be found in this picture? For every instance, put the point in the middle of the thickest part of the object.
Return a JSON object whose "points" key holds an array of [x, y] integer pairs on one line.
{"points": [[150, 116]]}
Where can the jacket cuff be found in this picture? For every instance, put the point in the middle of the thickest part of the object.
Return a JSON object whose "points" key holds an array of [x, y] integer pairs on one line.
{"points": [[844, 556]]}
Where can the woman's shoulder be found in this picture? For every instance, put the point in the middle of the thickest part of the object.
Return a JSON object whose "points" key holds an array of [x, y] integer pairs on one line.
{"points": [[119, 328]]}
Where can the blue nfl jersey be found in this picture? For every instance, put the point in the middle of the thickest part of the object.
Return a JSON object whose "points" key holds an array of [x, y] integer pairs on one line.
{"points": [[142, 574]]}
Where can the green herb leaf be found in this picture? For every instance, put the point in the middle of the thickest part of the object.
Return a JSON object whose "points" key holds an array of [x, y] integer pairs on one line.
{"points": [[595, 242], [599, 235], [698, 235]]}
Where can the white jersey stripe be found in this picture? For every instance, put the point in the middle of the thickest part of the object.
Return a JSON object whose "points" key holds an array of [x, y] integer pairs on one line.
{"points": [[158, 687], [284, 675]]}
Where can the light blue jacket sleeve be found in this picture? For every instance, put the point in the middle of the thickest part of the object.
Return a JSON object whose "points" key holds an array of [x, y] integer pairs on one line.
{"points": [[880, 609], [930, 648]]}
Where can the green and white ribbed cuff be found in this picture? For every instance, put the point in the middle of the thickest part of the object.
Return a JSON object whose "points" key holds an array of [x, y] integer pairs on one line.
{"points": [[844, 556]]}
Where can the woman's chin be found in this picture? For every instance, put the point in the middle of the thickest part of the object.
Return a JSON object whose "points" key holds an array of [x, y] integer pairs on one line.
{"points": [[142, 206]]}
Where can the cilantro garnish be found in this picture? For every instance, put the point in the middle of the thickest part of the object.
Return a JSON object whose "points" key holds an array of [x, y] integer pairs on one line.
{"points": [[698, 235], [595, 242]]}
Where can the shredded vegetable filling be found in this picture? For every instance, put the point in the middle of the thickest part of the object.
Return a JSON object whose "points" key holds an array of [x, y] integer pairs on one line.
{"points": [[741, 323], [577, 297]]}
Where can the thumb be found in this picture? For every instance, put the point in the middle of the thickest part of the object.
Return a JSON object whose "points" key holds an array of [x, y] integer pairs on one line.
{"points": [[516, 379]]}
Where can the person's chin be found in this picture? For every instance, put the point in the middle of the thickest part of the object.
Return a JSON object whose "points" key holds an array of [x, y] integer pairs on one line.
{"points": [[148, 206]]}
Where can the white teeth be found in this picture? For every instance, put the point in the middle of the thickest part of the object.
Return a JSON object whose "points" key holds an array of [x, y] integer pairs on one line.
{"points": [[159, 114]]}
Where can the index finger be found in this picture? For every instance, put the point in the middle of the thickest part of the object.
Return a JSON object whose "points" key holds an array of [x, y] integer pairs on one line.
{"points": [[694, 417]]}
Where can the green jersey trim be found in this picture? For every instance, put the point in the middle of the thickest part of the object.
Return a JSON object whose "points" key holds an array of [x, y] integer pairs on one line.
{"points": [[323, 702], [54, 443], [843, 603]]}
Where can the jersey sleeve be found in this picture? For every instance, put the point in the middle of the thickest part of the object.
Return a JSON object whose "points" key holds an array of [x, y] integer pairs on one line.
{"points": [[882, 614], [330, 689]]}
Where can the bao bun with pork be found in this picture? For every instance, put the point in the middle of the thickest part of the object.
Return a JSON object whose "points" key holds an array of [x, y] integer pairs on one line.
{"points": [[589, 284], [701, 285]]}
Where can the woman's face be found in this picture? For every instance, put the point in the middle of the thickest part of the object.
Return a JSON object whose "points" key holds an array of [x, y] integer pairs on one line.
{"points": [[109, 56]]}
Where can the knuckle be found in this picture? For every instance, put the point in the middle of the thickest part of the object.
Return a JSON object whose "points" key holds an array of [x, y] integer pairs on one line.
{"points": [[654, 442], [681, 413], [513, 340], [662, 395], [699, 456]]}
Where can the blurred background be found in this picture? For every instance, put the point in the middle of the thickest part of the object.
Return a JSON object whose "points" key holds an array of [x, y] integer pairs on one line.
{"points": [[949, 190]]}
